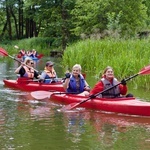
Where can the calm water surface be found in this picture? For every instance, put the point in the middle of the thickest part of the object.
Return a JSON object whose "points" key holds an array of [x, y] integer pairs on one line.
{"points": [[27, 124]]}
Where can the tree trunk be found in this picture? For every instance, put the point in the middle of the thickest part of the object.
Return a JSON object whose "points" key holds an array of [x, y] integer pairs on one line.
{"points": [[15, 19], [65, 32], [20, 18], [8, 22], [4, 29]]}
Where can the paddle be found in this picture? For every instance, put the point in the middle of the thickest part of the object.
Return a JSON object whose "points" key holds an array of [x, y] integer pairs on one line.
{"points": [[144, 71], [4, 53], [46, 94]]}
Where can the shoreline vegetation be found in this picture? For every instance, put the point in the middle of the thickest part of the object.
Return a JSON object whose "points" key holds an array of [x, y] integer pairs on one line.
{"points": [[127, 57]]}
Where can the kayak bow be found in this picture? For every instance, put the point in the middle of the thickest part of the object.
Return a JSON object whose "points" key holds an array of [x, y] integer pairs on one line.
{"points": [[26, 85]]}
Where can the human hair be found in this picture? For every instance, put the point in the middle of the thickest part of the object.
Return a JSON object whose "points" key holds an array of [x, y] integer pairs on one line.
{"points": [[27, 60], [77, 66], [105, 70]]}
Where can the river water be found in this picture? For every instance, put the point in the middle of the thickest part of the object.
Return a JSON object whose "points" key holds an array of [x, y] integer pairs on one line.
{"points": [[28, 124]]}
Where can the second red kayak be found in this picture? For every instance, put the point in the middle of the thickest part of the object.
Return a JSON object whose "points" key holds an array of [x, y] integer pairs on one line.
{"points": [[130, 105], [28, 85]]}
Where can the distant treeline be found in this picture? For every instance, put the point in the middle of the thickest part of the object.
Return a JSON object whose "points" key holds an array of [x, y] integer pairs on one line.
{"points": [[66, 21]]}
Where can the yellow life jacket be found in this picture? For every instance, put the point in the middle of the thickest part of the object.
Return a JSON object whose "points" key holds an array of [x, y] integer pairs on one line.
{"points": [[51, 74]]}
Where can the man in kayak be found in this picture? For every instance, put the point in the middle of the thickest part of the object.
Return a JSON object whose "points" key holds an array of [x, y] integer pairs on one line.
{"points": [[49, 74], [26, 69], [107, 81], [75, 82]]}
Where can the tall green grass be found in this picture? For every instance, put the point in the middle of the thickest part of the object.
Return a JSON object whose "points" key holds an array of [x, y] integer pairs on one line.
{"points": [[127, 57]]}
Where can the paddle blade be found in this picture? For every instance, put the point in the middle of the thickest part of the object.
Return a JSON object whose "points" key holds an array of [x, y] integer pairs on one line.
{"points": [[41, 94], [3, 52], [145, 70]]}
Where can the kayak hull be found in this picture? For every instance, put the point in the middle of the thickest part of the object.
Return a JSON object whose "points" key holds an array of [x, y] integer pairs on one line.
{"points": [[26, 85], [131, 105]]}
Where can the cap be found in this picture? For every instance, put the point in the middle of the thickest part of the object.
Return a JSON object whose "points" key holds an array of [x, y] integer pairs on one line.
{"points": [[49, 63]]}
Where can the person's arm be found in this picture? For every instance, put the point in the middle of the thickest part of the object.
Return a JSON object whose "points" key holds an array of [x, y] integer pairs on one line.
{"points": [[21, 72], [99, 87], [66, 83], [42, 76], [18, 69], [67, 80], [36, 75], [87, 87]]}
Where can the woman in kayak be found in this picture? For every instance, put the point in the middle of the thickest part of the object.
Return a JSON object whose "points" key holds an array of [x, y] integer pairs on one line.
{"points": [[49, 74], [26, 69], [107, 81], [75, 82]]}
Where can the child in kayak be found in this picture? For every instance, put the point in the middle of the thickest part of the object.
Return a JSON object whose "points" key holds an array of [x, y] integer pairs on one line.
{"points": [[107, 81], [75, 82]]}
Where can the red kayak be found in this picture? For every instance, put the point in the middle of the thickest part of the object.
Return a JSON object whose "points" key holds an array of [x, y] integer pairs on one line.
{"points": [[130, 105], [29, 85]]}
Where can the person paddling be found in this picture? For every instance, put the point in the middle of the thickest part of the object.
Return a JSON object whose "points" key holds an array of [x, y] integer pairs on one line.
{"points": [[108, 80], [26, 69], [75, 82]]}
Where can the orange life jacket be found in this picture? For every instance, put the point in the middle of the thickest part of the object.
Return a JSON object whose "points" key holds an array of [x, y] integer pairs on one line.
{"points": [[29, 72]]}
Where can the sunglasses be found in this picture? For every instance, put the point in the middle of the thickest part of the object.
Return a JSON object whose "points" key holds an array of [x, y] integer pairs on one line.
{"points": [[31, 63]]}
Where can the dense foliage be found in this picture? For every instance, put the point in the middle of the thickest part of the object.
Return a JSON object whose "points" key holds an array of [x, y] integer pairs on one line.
{"points": [[65, 21]]}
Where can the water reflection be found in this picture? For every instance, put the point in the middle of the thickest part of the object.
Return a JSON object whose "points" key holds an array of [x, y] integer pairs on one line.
{"points": [[105, 128]]}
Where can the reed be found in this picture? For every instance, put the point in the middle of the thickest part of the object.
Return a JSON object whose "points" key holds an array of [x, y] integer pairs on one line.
{"points": [[127, 57]]}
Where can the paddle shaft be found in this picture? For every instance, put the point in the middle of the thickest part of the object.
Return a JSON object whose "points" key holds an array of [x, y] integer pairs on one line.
{"points": [[65, 93], [37, 80]]}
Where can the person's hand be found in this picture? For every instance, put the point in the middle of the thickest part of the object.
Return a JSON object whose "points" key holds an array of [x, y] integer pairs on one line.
{"points": [[87, 88], [123, 82], [67, 75]]}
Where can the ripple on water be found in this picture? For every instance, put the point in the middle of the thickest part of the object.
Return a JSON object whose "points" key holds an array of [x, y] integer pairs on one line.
{"points": [[12, 95]]}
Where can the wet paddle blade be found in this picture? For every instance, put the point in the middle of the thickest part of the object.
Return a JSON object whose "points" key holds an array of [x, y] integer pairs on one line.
{"points": [[145, 70], [41, 94], [3, 52]]}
